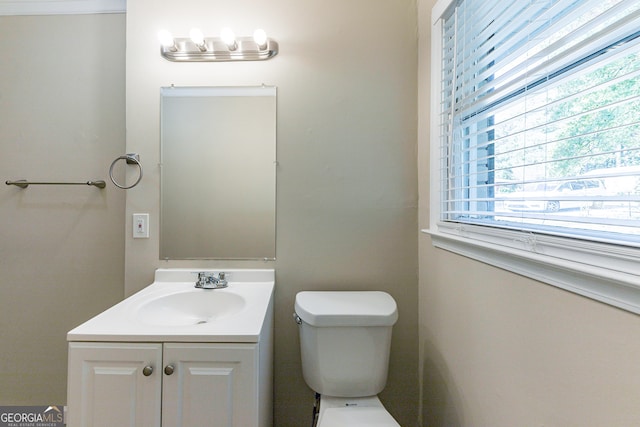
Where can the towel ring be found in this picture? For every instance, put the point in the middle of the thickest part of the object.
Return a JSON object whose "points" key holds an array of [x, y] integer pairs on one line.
{"points": [[131, 159]]}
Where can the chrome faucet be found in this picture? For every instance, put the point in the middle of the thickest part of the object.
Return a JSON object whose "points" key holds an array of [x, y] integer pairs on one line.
{"points": [[210, 281]]}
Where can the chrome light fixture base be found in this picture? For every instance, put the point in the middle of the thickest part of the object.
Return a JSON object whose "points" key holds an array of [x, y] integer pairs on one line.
{"points": [[214, 49]]}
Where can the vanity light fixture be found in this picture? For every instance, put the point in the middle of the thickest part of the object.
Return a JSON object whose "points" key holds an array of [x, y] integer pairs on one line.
{"points": [[227, 47]]}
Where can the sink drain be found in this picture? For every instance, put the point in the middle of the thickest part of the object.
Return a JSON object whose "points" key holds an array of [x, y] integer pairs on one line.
{"points": [[200, 322]]}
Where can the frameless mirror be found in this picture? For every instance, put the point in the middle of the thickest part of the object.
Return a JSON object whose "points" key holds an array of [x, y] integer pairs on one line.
{"points": [[218, 173]]}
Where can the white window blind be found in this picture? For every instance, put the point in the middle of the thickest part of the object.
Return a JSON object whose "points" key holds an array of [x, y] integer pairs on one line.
{"points": [[540, 117]]}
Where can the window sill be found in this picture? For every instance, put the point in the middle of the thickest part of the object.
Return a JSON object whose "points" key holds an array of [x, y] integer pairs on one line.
{"points": [[606, 273]]}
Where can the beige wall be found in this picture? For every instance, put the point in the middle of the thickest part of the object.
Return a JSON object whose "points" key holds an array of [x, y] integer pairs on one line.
{"points": [[61, 248], [347, 179], [497, 349]]}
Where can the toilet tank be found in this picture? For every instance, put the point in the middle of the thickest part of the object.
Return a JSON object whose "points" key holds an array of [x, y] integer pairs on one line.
{"points": [[345, 338]]}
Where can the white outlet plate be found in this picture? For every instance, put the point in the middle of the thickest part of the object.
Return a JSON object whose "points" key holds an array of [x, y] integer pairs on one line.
{"points": [[140, 225]]}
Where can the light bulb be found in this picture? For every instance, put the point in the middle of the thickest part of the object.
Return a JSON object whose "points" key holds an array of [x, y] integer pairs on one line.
{"points": [[197, 38], [260, 37], [229, 38], [165, 38], [167, 41]]}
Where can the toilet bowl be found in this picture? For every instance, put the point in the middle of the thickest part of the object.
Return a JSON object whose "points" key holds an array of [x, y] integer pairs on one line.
{"points": [[354, 412], [345, 338]]}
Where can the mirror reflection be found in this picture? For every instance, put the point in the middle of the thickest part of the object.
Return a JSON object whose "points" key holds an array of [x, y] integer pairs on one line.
{"points": [[218, 173]]}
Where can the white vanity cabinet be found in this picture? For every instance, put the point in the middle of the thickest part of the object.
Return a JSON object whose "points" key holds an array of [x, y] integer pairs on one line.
{"points": [[165, 384], [174, 355]]}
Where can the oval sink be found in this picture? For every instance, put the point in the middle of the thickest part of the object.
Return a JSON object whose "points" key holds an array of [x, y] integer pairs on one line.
{"points": [[189, 308]]}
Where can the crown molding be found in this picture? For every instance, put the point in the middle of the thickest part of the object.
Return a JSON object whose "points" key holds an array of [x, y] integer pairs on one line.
{"points": [[61, 7]]}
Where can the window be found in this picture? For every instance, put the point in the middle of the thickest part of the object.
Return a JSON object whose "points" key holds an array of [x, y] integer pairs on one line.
{"points": [[536, 148]]}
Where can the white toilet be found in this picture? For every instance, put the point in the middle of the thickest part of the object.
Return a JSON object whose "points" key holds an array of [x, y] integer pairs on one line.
{"points": [[345, 338]]}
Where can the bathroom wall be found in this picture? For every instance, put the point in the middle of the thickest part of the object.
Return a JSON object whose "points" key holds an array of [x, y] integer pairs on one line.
{"points": [[501, 350], [347, 174], [61, 248]]}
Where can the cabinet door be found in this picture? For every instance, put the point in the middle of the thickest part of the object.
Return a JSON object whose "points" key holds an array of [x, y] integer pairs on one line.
{"points": [[212, 385], [109, 386]]}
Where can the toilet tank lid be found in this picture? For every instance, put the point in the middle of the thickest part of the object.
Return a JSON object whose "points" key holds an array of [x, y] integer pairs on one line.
{"points": [[346, 308]]}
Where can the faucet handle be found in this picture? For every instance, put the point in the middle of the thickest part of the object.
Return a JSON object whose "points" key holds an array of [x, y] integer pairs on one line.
{"points": [[222, 281], [202, 279]]}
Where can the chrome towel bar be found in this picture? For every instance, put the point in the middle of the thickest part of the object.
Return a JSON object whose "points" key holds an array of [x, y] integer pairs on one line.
{"points": [[131, 159], [22, 183]]}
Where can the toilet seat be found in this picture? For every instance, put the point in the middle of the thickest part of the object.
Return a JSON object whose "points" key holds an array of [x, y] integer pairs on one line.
{"points": [[354, 412]]}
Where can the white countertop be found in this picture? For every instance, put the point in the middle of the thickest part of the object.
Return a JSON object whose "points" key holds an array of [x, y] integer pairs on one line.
{"points": [[125, 322]]}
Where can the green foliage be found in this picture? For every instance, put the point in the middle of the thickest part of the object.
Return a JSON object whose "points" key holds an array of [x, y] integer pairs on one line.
{"points": [[597, 123]]}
